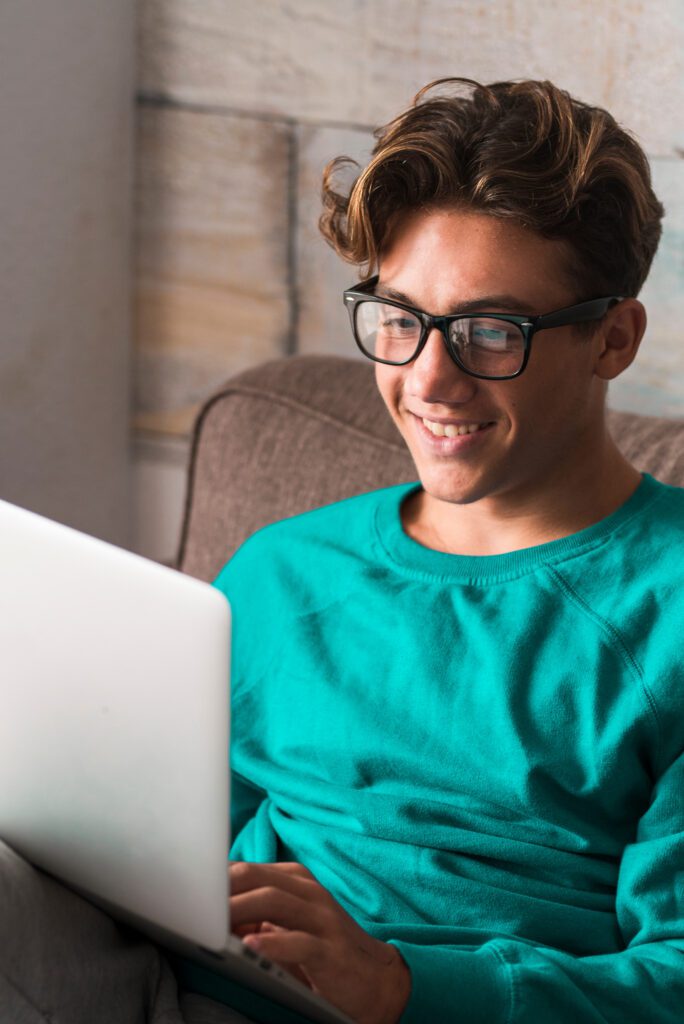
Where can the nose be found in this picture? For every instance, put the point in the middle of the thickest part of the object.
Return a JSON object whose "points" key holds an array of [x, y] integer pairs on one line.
{"points": [[434, 377]]}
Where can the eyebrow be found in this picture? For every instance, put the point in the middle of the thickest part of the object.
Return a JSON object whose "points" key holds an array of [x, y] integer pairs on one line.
{"points": [[506, 303]]}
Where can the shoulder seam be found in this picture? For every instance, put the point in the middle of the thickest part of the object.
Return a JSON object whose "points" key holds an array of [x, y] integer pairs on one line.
{"points": [[618, 642]]}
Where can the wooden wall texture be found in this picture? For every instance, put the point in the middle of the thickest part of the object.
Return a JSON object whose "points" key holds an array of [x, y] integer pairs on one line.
{"points": [[239, 108]]}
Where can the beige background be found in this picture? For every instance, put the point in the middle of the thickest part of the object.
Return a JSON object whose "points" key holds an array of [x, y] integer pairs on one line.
{"points": [[159, 198], [240, 107]]}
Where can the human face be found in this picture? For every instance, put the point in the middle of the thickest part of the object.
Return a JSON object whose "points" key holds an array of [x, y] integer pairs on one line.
{"points": [[534, 433]]}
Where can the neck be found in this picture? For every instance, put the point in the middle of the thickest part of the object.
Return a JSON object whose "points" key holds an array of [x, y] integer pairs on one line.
{"points": [[565, 501]]}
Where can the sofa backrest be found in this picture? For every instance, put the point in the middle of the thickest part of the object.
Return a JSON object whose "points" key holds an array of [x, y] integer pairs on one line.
{"points": [[297, 433]]}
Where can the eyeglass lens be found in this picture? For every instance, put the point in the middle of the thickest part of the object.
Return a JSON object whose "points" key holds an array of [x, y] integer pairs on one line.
{"points": [[485, 346]]}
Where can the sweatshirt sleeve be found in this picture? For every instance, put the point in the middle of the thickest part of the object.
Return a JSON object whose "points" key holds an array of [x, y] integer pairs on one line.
{"points": [[509, 981], [236, 583]]}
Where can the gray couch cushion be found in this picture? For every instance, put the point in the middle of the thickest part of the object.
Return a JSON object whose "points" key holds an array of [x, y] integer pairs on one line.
{"points": [[298, 433]]}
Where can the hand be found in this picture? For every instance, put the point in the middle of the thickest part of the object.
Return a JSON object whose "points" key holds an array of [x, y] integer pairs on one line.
{"points": [[281, 911]]}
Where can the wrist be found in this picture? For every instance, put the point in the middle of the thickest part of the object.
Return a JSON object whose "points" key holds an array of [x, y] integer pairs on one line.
{"points": [[397, 990]]}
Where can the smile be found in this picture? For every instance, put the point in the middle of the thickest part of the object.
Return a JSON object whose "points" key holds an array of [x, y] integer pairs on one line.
{"points": [[452, 429]]}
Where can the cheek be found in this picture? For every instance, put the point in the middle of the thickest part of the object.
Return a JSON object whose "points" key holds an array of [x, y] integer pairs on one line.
{"points": [[548, 400], [388, 382], [544, 387]]}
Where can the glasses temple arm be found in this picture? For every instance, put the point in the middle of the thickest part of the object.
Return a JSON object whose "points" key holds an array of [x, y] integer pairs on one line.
{"points": [[592, 310]]}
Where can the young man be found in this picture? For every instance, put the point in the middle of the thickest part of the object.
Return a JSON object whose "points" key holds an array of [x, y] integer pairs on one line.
{"points": [[458, 744], [457, 756]]}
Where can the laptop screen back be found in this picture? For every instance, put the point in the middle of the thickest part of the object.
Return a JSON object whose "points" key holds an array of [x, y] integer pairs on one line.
{"points": [[114, 724]]}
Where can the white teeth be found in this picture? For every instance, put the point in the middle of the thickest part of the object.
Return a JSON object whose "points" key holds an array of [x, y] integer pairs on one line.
{"points": [[450, 430]]}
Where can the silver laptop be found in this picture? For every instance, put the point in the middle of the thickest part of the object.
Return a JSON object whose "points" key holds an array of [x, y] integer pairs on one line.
{"points": [[114, 732]]}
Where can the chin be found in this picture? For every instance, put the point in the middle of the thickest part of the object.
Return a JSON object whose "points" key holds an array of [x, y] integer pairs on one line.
{"points": [[452, 488]]}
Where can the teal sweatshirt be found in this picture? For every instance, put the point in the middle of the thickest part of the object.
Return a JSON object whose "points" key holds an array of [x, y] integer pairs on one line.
{"points": [[481, 758]]}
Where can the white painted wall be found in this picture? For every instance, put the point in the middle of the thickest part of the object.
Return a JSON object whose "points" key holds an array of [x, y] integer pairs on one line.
{"points": [[67, 85]]}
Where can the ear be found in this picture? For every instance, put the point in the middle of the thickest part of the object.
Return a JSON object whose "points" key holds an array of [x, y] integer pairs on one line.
{"points": [[620, 335]]}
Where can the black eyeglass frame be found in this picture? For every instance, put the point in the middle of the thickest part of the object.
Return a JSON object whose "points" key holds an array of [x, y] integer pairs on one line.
{"points": [[593, 309]]}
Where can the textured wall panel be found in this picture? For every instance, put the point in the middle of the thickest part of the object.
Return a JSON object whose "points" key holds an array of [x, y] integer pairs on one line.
{"points": [[323, 323], [212, 272], [655, 382], [359, 62]]}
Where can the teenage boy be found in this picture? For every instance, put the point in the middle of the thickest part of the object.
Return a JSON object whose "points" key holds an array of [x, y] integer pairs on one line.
{"points": [[458, 705]]}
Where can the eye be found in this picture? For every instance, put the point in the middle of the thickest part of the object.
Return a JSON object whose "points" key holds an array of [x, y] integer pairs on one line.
{"points": [[488, 346], [396, 323], [494, 339], [399, 323]]}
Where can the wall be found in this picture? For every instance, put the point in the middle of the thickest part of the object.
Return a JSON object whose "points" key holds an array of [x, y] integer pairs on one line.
{"points": [[66, 119], [240, 107]]}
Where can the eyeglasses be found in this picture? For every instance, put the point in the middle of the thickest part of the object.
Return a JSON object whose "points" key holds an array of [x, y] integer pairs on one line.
{"points": [[492, 346]]}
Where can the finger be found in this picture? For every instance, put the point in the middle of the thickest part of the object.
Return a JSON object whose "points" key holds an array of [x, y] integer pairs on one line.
{"points": [[292, 867], [253, 927], [279, 907], [246, 929], [292, 878], [268, 926], [298, 948], [246, 872]]}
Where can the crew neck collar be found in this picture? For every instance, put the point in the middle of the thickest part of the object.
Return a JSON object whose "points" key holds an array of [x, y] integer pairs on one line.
{"points": [[409, 554]]}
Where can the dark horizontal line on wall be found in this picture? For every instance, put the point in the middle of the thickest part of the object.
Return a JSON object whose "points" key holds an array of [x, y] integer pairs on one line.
{"points": [[160, 100], [150, 99]]}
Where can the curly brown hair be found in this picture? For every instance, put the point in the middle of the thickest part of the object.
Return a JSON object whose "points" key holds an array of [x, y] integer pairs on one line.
{"points": [[522, 150]]}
